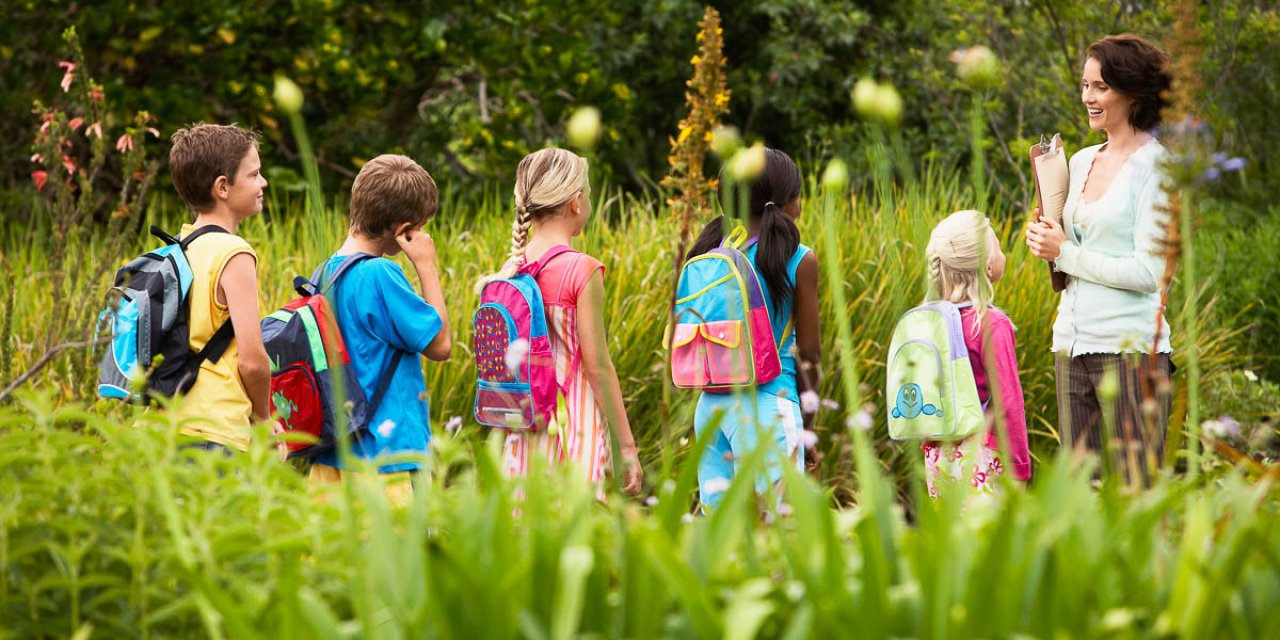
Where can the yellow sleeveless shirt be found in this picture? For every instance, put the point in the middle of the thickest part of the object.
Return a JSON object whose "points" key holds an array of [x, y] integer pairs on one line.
{"points": [[217, 408]]}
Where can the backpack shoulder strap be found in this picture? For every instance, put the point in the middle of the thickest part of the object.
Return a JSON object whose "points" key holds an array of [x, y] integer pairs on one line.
{"points": [[542, 262], [207, 229], [215, 347], [384, 382], [323, 284]]}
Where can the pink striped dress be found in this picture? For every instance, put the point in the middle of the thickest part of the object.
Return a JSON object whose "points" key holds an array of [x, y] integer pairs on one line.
{"points": [[579, 434]]}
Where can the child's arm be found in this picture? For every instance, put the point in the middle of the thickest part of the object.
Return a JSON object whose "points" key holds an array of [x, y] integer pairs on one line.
{"points": [[599, 370], [421, 251], [808, 336], [1015, 417], [239, 287]]}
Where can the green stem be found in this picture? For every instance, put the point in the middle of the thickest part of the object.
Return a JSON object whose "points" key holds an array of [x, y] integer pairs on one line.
{"points": [[977, 130], [1193, 336], [310, 169]]}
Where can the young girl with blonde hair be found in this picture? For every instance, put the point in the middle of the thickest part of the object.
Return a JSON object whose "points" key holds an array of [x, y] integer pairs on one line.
{"points": [[958, 245], [552, 206]]}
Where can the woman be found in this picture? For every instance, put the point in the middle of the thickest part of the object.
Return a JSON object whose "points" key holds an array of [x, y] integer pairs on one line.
{"points": [[1110, 312]]}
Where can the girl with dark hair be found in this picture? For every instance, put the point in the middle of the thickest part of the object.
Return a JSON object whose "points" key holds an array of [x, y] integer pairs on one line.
{"points": [[789, 275], [1110, 314]]}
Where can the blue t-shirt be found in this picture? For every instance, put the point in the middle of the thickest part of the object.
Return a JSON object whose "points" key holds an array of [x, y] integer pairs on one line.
{"points": [[380, 313]]}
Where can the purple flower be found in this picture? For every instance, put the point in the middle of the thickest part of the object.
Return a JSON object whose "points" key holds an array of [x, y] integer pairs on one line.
{"points": [[1233, 164]]}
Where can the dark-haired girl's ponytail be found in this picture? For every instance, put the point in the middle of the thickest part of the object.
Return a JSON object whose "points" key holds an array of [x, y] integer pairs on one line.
{"points": [[778, 241]]}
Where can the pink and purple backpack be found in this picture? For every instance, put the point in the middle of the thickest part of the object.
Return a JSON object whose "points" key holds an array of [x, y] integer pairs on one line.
{"points": [[722, 338], [515, 374]]}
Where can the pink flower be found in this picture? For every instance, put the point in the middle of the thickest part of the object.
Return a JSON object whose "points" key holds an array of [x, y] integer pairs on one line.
{"points": [[153, 131], [40, 177], [124, 143], [75, 123], [809, 402], [453, 424], [95, 93], [94, 128], [66, 77], [37, 158], [386, 428], [68, 163], [808, 439]]}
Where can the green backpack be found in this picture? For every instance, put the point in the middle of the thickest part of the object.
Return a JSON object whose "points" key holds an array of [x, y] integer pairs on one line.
{"points": [[929, 383]]}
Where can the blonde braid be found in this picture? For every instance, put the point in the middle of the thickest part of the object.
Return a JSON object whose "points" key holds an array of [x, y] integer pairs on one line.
{"points": [[520, 232], [545, 181], [934, 291]]}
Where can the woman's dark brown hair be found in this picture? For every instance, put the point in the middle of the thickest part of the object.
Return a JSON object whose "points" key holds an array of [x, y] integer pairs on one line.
{"points": [[1139, 69]]}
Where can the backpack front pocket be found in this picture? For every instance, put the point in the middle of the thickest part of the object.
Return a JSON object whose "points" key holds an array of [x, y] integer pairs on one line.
{"points": [[919, 386], [728, 360], [504, 405], [295, 399], [494, 331], [710, 355], [688, 357]]}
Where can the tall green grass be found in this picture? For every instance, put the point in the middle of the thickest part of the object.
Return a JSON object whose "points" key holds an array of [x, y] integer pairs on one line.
{"points": [[879, 254], [108, 529]]}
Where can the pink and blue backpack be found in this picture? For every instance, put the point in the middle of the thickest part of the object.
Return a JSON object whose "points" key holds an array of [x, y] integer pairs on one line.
{"points": [[722, 337], [515, 374]]}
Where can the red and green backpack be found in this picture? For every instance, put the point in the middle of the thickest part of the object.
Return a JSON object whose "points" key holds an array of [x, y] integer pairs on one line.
{"points": [[308, 355]]}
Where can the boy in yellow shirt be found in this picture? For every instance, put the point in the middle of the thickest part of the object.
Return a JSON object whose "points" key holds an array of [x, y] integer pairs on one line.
{"points": [[217, 172]]}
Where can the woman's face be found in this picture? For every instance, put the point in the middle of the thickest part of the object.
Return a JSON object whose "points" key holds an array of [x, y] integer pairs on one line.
{"points": [[1107, 108]]}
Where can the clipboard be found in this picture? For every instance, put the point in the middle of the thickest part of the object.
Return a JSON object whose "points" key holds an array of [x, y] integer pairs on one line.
{"points": [[1052, 177]]}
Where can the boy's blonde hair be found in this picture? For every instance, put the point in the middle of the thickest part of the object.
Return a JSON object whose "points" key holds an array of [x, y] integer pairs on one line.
{"points": [[958, 245], [201, 153], [545, 181], [389, 191]]}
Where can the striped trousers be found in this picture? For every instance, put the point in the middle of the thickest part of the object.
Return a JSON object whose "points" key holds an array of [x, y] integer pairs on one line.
{"points": [[1129, 422]]}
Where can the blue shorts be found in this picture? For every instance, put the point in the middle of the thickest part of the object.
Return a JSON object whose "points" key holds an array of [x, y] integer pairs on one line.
{"points": [[773, 418]]}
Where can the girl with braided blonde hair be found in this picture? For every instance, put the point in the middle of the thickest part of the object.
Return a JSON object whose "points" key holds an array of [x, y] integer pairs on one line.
{"points": [[552, 206], [965, 261]]}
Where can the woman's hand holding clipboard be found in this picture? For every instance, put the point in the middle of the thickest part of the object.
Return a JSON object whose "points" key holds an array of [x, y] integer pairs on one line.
{"points": [[1052, 177]]}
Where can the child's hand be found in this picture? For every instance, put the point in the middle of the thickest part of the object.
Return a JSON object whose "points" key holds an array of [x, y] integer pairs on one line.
{"points": [[632, 472], [416, 244], [282, 448]]}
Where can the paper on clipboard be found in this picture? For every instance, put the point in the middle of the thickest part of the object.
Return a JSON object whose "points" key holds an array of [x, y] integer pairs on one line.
{"points": [[1049, 168], [1052, 176]]}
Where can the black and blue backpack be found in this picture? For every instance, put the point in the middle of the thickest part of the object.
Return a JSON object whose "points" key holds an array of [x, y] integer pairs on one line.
{"points": [[148, 311]]}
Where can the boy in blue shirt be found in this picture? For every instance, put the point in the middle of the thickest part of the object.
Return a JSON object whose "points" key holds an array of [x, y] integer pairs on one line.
{"points": [[384, 322]]}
